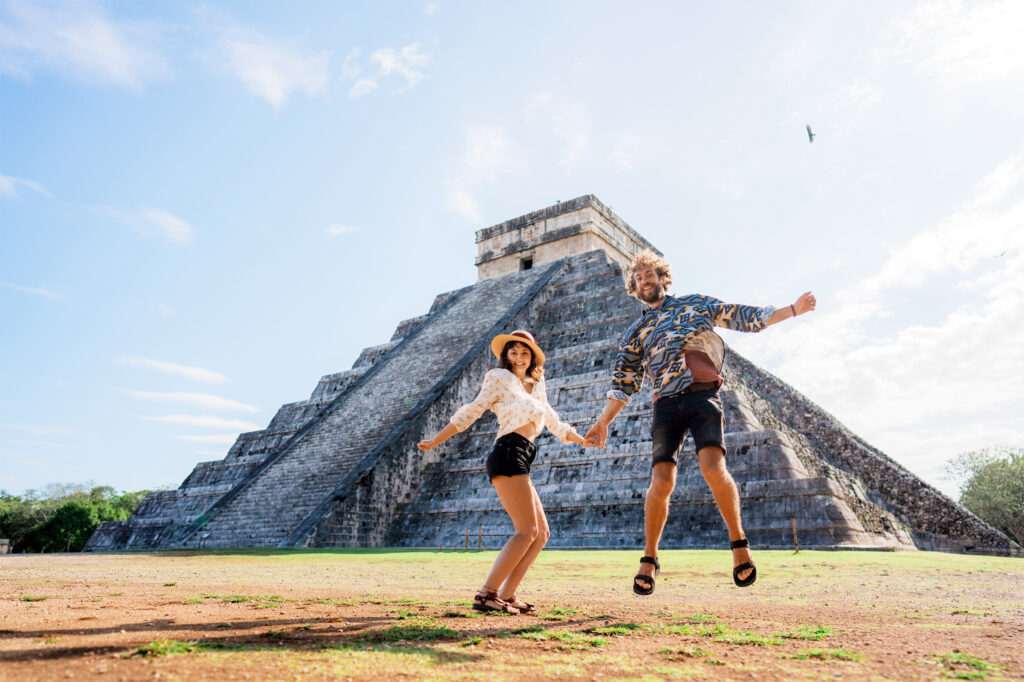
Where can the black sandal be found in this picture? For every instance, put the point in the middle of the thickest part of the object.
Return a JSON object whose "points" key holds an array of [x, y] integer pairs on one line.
{"points": [[524, 609], [749, 580], [491, 602], [646, 578]]}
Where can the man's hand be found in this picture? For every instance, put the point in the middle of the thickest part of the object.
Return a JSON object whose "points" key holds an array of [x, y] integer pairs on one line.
{"points": [[598, 434], [806, 303]]}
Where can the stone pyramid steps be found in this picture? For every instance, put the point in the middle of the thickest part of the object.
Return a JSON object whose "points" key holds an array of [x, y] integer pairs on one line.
{"points": [[316, 464]]}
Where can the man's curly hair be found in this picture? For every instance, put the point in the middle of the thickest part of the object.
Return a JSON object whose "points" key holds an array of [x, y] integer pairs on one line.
{"points": [[647, 259]]}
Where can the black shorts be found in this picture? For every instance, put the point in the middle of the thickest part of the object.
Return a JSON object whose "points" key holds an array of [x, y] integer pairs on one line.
{"points": [[699, 412], [512, 456]]}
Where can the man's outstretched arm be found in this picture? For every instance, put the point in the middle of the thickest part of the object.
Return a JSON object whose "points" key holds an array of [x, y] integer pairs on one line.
{"points": [[805, 304], [598, 433]]}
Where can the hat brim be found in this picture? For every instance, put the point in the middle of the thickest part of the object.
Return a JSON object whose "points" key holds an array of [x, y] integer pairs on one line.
{"points": [[499, 341]]}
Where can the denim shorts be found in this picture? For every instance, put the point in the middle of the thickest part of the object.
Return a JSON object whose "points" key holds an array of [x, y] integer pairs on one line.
{"points": [[699, 412], [512, 456]]}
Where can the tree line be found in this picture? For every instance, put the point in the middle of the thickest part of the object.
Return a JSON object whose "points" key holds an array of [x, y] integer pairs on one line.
{"points": [[61, 518]]}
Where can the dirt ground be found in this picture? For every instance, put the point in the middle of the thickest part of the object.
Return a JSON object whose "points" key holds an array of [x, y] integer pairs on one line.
{"points": [[379, 614]]}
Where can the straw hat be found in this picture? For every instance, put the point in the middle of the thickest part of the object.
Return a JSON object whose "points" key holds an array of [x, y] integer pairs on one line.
{"points": [[522, 336]]}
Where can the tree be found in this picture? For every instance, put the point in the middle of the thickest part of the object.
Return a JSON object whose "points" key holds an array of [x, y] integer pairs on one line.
{"points": [[66, 531], [992, 487], [63, 517]]}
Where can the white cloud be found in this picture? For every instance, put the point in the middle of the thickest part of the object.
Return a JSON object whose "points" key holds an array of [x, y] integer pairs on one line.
{"points": [[154, 221], [622, 151], [165, 309], [963, 364], [350, 67], [565, 119], [727, 181], [9, 186], [193, 373], [486, 151], [172, 227], [409, 63], [336, 230], [45, 293], [221, 439], [78, 41], [206, 400], [207, 421], [432, 8], [956, 43], [274, 70], [362, 87]]}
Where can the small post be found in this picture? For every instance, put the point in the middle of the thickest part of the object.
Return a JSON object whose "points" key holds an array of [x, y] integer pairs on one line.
{"points": [[480, 537], [467, 539], [796, 544]]}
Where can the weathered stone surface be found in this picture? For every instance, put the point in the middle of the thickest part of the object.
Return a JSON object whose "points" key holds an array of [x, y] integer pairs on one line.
{"points": [[342, 468]]}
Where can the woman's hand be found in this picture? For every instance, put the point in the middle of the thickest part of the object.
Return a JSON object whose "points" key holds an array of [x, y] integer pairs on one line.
{"points": [[580, 440], [426, 445]]}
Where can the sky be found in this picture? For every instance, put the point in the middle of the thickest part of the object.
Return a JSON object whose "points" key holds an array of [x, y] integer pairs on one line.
{"points": [[204, 207]]}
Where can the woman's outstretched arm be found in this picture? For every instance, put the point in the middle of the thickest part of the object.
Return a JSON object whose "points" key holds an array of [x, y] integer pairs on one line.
{"points": [[446, 433]]}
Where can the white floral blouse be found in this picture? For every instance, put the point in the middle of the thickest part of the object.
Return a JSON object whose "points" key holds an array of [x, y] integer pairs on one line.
{"points": [[504, 394]]}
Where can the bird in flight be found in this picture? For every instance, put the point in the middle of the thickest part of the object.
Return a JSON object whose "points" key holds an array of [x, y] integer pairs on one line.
{"points": [[810, 133]]}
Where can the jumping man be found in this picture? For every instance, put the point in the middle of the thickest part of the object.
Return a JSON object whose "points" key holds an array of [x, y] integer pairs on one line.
{"points": [[674, 344]]}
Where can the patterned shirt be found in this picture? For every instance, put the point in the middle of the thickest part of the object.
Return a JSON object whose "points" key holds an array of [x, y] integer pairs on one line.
{"points": [[653, 346], [504, 394]]}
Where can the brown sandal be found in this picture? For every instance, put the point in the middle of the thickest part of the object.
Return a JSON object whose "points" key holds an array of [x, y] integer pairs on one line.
{"points": [[514, 602], [491, 602]]}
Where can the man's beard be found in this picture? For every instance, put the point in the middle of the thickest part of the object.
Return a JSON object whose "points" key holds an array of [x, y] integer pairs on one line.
{"points": [[656, 293]]}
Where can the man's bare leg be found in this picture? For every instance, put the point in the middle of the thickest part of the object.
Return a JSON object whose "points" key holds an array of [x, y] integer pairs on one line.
{"points": [[727, 497], [656, 504]]}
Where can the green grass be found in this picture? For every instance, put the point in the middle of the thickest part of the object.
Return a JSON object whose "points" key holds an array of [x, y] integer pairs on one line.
{"points": [[257, 601], [618, 630], [419, 633], [557, 613], [965, 666], [570, 640], [163, 647], [748, 638], [670, 654], [698, 617], [715, 630], [330, 602], [170, 584], [193, 601], [29, 597], [825, 655], [815, 632], [460, 614]]}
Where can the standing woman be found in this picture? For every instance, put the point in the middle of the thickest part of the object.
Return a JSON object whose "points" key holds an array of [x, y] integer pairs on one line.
{"points": [[515, 392]]}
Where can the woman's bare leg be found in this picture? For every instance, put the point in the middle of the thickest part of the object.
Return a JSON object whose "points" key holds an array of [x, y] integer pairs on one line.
{"points": [[508, 590], [516, 494]]}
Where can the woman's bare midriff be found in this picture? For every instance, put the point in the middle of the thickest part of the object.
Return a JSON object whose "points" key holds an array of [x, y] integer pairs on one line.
{"points": [[528, 431]]}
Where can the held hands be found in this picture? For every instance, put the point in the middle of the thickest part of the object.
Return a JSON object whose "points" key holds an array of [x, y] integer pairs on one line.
{"points": [[585, 442], [805, 304], [597, 436]]}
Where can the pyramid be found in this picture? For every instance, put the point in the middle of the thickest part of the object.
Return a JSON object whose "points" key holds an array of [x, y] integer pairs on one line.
{"points": [[341, 469]]}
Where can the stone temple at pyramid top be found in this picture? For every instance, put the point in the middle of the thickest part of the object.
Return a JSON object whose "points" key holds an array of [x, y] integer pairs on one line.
{"points": [[566, 228]]}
